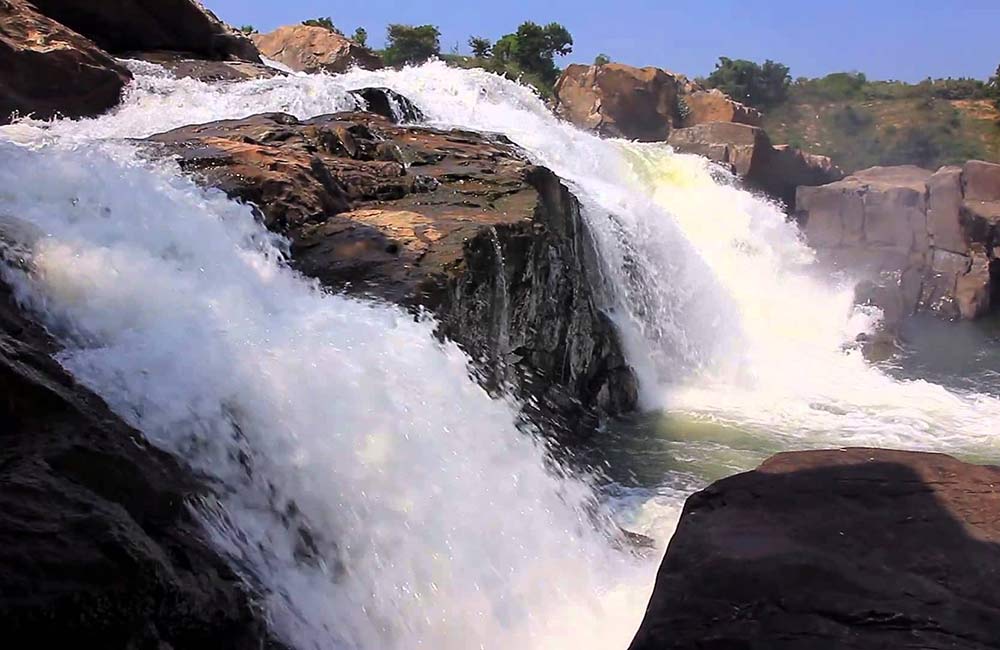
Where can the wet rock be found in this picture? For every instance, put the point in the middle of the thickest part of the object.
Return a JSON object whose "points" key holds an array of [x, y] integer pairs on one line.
{"points": [[748, 152], [305, 48], [181, 65], [389, 104], [855, 548], [932, 236], [147, 25], [454, 222], [48, 70], [98, 544]]}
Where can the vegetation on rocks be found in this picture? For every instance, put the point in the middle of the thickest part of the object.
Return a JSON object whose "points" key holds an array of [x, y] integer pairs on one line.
{"points": [[408, 44]]}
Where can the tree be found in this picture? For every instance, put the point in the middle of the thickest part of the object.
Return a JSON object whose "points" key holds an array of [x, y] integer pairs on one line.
{"points": [[533, 49], [481, 47], [411, 44], [325, 23], [754, 84], [360, 36], [602, 59], [248, 29]]}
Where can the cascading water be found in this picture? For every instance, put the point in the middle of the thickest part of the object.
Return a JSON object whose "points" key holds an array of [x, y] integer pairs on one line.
{"points": [[377, 495]]}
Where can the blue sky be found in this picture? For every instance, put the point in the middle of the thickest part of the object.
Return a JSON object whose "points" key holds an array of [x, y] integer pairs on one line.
{"points": [[886, 39]]}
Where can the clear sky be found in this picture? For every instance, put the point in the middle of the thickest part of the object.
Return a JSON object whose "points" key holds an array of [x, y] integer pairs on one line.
{"points": [[885, 39]]}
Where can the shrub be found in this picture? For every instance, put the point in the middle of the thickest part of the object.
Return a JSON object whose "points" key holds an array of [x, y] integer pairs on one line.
{"points": [[325, 23], [759, 85]]}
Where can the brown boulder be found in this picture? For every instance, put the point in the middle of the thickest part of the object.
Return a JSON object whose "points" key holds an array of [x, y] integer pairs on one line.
{"points": [[305, 48], [48, 70], [824, 550], [455, 222], [716, 106], [121, 26], [748, 152], [620, 101]]}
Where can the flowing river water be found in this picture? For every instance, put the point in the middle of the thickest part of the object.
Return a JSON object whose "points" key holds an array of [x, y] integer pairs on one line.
{"points": [[378, 496]]}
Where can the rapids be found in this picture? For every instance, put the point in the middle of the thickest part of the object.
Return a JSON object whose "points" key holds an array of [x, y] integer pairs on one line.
{"points": [[374, 492]]}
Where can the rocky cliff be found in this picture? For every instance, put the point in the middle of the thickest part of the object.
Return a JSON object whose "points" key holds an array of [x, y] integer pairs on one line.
{"points": [[855, 548], [454, 222], [919, 240]]}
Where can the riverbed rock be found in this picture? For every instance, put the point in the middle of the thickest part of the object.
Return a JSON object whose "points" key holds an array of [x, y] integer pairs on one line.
{"points": [[645, 104], [306, 48], [823, 550], [121, 26], [932, 236], [183, 66], [746, 150], [98, 544], [454, 222], [48, 70]]}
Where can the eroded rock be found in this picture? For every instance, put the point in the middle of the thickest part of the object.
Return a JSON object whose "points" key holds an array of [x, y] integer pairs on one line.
{"points": [[306, 48], [47, 70], [455, 222], [823, 550]]}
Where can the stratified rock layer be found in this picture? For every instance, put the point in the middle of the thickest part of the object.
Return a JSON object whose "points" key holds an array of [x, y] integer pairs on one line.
{"points": [[455, 222], [852, 549], [927, 241], [48, 70]]}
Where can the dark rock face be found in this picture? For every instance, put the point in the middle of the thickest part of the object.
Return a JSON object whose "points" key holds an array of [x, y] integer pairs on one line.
{"points": [[856, 548], [145, 25], [48, 70], [775, 170], [98, 548], [454, 222], [927, 240]]}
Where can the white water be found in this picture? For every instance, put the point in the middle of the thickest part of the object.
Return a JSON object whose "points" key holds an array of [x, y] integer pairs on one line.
{"points": [[433, 520]]}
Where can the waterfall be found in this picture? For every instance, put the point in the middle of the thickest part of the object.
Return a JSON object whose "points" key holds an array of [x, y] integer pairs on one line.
{"points": [[378, 496]]}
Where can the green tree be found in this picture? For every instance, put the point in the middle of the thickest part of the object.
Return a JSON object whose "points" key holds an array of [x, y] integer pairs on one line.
{"points": [[760, 85], [248, 29], [602, 59], [360, 36], [411, 44], [533, 48], [481, 47], [325, 23]]}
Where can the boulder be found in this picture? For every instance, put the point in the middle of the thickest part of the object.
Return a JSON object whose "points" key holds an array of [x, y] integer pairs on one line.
{"points": [[932, 236], [824, 550], [182, 66], [716, 106], [98, 544], [748, 152], [121, 26], [645, 104], [620, 101], [48, 70], [454, 222], [305, 48]]}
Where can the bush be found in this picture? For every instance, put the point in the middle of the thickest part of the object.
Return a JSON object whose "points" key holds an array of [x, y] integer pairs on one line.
{"points": [[759, 85], [481, 47], [407, 44], [325, 23], [602, 59], [360, 36]]}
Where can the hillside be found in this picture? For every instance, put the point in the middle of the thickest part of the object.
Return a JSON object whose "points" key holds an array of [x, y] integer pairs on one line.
{"points": [[882, 123]]}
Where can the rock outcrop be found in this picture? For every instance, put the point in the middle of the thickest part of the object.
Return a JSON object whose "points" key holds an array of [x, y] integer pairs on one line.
{"points": [[306, 48], [856, 548], [455, 222], [121, 26], [776, 170], [48, 70], [98, 546], [923, 240], [713, 105]]}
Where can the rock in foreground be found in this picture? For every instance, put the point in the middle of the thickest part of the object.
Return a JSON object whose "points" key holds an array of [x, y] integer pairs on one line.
{"points": [[48, 70], [849, 549], [455, 222]]}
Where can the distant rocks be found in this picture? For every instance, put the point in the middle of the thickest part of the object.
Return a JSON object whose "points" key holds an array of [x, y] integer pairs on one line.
{"points": [[455, 222], [645, 104], [47, 69], [306, 48], [859, 548], [921, 240], [776, 170]]}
